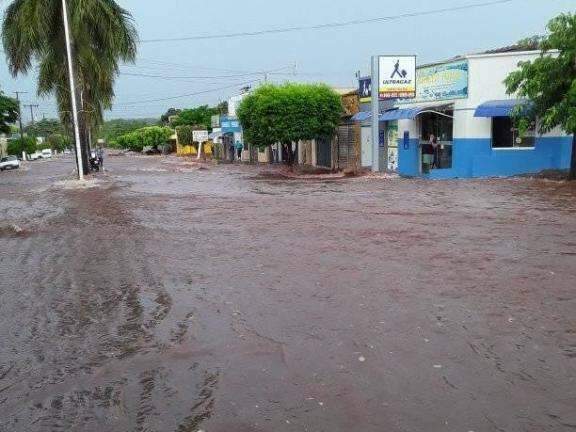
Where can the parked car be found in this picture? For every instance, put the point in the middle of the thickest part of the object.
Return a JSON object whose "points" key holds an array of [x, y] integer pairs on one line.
{"points": [[34, 156], [46, 154], [9, 162]]}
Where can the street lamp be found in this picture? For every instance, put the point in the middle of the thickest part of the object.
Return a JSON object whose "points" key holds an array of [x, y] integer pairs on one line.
{"points": [[72, 91]]}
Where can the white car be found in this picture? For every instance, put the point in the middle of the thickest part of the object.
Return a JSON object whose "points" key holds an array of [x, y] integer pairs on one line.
{"points": [[34, 156], [46, 154], [9, 162]]}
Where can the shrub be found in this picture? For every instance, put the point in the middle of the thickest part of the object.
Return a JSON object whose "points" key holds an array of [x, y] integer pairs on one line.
{"points": [[153, 136]]}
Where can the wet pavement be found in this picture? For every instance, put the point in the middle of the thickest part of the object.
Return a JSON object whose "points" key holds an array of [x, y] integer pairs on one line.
{"points": [[166, 297]]}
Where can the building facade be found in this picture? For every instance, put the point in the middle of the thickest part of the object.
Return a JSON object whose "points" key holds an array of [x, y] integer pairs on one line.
{"points": [[460, 123]]}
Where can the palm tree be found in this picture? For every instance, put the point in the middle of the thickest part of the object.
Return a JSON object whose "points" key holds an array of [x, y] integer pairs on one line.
{"points": [[103, 35]]}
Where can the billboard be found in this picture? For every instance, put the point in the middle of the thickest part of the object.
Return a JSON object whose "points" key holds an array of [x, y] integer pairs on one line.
{"points": [[365, 89], [397, 77], [200, 136], [443, 81]]}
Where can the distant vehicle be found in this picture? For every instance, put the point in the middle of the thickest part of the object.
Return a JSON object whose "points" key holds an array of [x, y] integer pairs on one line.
{"points": [[9, 162], [67, 152], [46, 154], [35, 156]]}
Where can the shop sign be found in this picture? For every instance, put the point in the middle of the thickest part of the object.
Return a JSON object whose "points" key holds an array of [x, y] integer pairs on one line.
{"points": [[442, 82], [229, 125], [365, 89], [397, 77], [200, 136]]}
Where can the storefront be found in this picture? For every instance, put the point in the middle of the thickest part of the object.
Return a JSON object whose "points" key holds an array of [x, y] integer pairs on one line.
{"points": [[460, 123]]}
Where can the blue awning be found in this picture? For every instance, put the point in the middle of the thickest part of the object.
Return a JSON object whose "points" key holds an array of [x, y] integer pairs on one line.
{"points": [[362, 116], [409, 113], [500, 108]]}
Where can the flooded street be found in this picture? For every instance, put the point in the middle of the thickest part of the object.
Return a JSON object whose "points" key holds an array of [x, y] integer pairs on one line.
{"points": [[172, 298]]}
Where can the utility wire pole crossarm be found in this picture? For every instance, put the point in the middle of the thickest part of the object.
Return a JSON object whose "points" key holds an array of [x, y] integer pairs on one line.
{"points": [[72, 91], [18, 93]]}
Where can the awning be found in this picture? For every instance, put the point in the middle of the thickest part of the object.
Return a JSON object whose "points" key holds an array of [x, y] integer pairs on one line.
{"points": [[362, 116], [215, 135], [410, 113], [500, 108]]}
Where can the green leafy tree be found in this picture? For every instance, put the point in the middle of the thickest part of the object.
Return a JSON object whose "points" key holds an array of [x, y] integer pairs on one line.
{"points": [[45, 128], [289, 113], [112, 129], [172, 112], [200, 116], [550, 82], [58, 142], [103, 35], [152, 136], [25, 144], [8, 113], [185, 134]]}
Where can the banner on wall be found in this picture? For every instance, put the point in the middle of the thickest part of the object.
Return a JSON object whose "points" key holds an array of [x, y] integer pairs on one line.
{"points": [[443, 81], [365, 89], [397, 77]]}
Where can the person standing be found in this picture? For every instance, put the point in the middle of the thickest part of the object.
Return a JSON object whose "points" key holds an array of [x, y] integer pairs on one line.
{"points": [[239, 147], [428, 151], [100, 157]]}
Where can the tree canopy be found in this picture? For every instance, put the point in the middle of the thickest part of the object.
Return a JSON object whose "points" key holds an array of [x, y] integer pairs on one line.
{"points": [[152, 136], [112, 129], [45, 128], [172, 112], [549, 81], [8, 113], [24, 144], [199, 116], [288, 113]]}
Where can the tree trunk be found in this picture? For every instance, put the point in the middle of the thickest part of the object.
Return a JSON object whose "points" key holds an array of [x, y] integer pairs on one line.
{"points": [[572, 173], [85, 150], [289, 154]]}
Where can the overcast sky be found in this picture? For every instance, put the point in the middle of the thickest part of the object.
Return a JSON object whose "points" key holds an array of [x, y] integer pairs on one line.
{"points": [[329, 55]]}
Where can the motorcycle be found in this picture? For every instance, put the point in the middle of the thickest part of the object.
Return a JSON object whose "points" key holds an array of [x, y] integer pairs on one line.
{"points": [[95, 164]]}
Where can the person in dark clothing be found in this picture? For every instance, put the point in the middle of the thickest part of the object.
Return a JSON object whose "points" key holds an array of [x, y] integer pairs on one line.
{"points": [[428, 153], [100, 157]]}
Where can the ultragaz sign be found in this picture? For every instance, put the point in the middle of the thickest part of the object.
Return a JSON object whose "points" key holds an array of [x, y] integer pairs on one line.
{"points": [[397, 77]]}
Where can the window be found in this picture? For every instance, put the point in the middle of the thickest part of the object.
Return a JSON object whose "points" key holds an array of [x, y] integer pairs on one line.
{"points": [[440, 125], [506, 135]]}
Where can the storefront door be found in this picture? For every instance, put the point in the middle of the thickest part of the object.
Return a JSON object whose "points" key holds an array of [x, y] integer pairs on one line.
{"points": [[367, 152]]}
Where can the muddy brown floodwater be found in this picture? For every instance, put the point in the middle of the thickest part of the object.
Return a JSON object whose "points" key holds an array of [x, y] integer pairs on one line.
{"points": [[172, 298]]}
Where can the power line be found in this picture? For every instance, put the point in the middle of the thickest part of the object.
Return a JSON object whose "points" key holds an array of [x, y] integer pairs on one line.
{"points": [[328, 25], [168, 77], [187, 95], [185, 66]]}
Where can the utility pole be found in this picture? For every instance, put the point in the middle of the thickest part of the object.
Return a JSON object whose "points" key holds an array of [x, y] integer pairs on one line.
{"points": [[375, 114], [72, 90], [31, 106], [18, 93]]}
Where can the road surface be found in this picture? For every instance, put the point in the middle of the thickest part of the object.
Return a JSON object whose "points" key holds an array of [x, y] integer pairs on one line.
{"points": [[166, 297]]}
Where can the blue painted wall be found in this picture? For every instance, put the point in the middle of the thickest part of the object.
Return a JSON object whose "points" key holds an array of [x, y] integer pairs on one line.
{"points": [[476, 158]]}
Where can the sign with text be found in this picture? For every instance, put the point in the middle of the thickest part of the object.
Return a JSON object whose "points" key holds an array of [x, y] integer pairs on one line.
{"points": [[200, 136], [443, 81], [397, 77], [365, 89]]}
